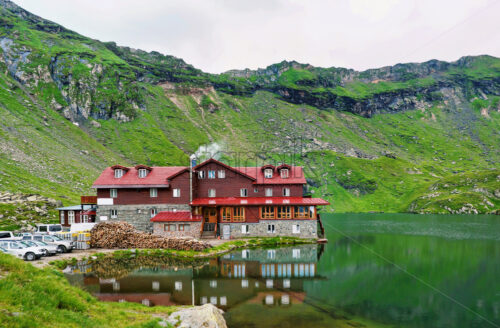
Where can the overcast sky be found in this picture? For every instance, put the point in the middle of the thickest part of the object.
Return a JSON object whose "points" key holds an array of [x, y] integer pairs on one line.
{"points": [[218, 35]]}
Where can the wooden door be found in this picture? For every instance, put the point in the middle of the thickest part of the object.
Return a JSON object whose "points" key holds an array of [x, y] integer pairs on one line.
{"points": [[209, 218]]}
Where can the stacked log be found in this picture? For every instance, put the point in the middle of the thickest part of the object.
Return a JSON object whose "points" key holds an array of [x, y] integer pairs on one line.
{"points": [[124, 235]]}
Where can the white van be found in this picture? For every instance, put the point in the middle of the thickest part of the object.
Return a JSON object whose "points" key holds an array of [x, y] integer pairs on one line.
{"points": [[48, 228]]}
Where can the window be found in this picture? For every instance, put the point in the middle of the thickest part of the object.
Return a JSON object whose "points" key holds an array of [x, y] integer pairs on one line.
{"points": [[85, 219], [62, 217], [118, 173], [284, 212], [114, 214], [300, 212], [267, 212], [211, 174], [239, 214], [153, 212], [271, 254], [169, 227], [268, 173], [270, 228], [312, 211], [226, 214], [71, 217], [244, 229], [178, 285], [201, 174], [256, 190], [113, 193], [269, 192], [176, 192], [295, 228], [286, 192], [222, 174], [183, 227], [153, 192], [296, 253], [39, 238], [284, 173], [211, 192], [243, 192], [143, 173]]}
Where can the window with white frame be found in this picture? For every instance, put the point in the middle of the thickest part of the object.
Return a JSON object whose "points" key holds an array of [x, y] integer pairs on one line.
{"points": [[211, 174], [201, 174], [143, 173], [153, 192], [296, 228], [114, 214], [61, 217], [85, 218], [244, 228], [271, 254], [211, 192], [113, 193], [176, 192], [153, 212], [269, 192], [71, 217], [296, 253], [178, 285], [118, 173], [243, 192], [270, 228], [284, 173], [268, 173], [222, 174], [286, 192]]}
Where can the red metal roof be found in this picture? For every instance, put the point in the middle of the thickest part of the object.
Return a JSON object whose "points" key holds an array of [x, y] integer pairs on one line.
{"points": [[259, 201], [295, 176], [168, 216], [157, 177]]}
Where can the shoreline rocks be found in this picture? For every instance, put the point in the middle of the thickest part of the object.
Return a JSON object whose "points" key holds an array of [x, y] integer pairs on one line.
{"points": [[208, 316]]}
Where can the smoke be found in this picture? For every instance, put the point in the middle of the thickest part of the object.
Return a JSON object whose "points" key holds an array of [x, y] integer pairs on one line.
{"points": [[213, 150]]}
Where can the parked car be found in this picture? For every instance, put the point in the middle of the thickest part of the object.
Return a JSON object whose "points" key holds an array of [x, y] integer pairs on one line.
{"points": [[3, 250], [48, 249], [9, 235], [22, 251], [48, 228], [63, 246]]}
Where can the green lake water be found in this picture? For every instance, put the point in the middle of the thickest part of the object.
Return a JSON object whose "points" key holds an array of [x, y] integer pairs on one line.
{"points": [[377, 270]]}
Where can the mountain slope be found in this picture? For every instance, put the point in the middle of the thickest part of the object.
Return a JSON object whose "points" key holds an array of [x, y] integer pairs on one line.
{"points": [[378, 140]]}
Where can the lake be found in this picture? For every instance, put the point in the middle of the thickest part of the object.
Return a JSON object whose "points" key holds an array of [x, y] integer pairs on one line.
{"points": [[377, 270]]}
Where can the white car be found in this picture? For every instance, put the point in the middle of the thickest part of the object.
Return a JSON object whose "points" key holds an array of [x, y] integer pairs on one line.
{"points": [[48, 249], [8, 235], [21, 251], [63, 246]]}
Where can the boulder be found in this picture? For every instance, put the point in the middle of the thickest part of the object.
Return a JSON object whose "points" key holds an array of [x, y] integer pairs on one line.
{"points": [[206, 315]]}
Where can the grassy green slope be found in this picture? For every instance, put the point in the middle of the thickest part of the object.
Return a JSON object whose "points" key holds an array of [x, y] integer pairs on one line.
{"points": [[32, 297]]}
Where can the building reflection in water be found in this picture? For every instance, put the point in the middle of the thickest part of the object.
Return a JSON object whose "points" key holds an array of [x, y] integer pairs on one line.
{"points": [[271, 277]]}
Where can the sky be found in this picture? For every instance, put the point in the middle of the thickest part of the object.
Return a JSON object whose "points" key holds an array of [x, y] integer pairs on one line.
{"points": [[219, 35]]}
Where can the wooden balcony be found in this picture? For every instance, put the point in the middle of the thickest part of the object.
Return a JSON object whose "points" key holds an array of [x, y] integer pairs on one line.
{"points": [[88, 200]]}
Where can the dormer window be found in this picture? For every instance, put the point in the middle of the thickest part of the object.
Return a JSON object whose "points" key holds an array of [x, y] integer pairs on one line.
{"points": [[118, 173], [284, 173], [268, 173], [201, 174], [143, 173]]}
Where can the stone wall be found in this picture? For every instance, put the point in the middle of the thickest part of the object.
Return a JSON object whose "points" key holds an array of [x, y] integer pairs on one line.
{"points": [[308, 229], [193, 232], [137, 215]]}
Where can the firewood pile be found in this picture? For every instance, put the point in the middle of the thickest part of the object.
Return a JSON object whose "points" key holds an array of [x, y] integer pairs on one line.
{"points": [[124, 235]]}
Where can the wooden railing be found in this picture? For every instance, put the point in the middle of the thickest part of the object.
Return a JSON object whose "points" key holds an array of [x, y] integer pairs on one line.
{"points": [[88, 200], [209, 226]]}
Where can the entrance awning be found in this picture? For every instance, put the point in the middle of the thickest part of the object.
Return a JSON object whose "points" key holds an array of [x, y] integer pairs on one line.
{"points": [[236, 201]]}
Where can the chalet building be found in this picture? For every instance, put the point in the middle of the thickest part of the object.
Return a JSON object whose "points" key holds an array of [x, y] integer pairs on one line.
{"points": [[210, 199], [83, 213]]}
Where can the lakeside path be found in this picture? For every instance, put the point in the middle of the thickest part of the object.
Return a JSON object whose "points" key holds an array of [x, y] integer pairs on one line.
{"points": [[217, 247]]}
